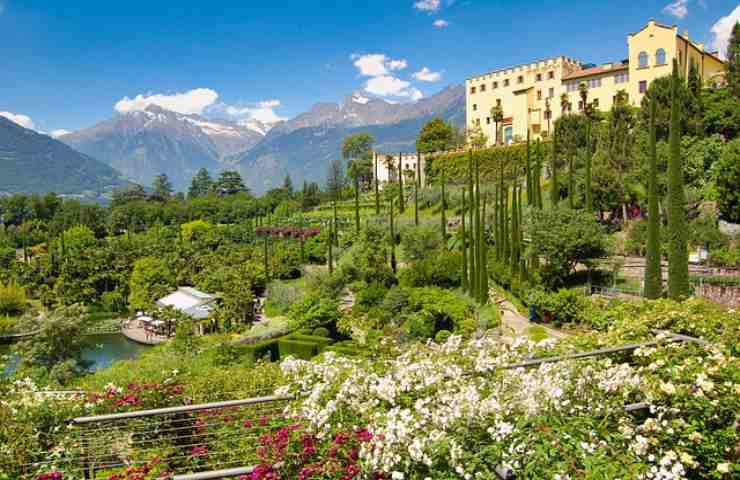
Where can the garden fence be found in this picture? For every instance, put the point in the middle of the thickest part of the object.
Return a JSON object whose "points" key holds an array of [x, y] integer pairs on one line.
{"points": [[192, 439], [217, 440]]}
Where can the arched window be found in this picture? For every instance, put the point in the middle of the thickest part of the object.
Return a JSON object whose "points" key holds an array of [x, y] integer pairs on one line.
{"points": [[643, 59], [660, 57]]}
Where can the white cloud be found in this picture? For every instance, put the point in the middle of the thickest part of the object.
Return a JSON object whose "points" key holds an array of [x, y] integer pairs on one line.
{"points": [[22, 120], [426, 75], [263, 111], [193, 101], [441, 23], [377, 64], [722, 30], [679, 8], [58, 133], [388, 86], [397, 64], [269, 104], [428, 5]]}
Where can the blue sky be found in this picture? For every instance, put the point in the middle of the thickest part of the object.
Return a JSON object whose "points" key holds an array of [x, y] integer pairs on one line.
{"points": [[68, 64]]}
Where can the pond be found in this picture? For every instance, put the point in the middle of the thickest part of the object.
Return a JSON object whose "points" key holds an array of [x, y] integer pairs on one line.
{"points": [[101, 351]]}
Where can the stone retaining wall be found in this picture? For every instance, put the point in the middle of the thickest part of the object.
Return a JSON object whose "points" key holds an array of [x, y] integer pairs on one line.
{"points": [[729, 296]]}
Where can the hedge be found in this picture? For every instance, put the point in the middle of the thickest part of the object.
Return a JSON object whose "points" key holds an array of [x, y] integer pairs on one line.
{"points": [[455, 164], [262, 349], [298, 348]]}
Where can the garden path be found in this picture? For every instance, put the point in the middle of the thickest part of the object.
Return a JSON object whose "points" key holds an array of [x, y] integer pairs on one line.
{"points": [[514, 324]]}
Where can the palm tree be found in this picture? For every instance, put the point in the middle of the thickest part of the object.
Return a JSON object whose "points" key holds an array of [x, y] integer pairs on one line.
{"points": [[564, 103], [583, 93], [548, 114], [497, 115]]}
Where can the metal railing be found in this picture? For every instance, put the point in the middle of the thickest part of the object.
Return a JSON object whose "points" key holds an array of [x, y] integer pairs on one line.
{"points": [[183, 440], [219, 440]]}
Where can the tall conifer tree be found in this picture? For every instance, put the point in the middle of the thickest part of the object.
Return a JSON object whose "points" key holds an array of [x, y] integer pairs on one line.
{"points": [[653, 270], [678, 257]]}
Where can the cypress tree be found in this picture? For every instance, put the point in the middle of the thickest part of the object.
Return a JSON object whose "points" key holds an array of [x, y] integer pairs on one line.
{"points": [[678, 259], [331, 246], [514, 260], [357, 204], [377, 189], [465, 283], [478, 236], [530, 188], [394, 264], [538, 174], [507, 229], [416, 189], [502, 211], [554, 187], [653, 271], [571, 181], [267, 258], [495, 222], [335, 234], [473, 242], [444, 208], [484, 255], [401, 207], [589, 192]]}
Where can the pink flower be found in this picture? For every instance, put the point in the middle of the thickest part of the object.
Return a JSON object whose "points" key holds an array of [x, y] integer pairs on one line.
{"points": [[199, 451]]}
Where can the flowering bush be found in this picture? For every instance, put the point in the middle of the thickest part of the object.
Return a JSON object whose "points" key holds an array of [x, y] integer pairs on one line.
{"points": [[449, 411]]}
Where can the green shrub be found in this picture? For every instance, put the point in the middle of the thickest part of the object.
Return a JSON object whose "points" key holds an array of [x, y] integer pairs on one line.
{"points": [[280, 296], [260, 350], [635, 242], [726, 256], [419, 325], [297, 348], [368, 296], [565, 306], [442, 336], [321, 332], [322, 342], [396, 301], [315, 311], [441, 269], [7, 256], [12, 299], [419, 243], [537, 333]]}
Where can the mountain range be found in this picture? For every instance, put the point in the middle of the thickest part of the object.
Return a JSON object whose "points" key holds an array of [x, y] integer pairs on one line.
{"points": [[144, 143], [31, 162]]}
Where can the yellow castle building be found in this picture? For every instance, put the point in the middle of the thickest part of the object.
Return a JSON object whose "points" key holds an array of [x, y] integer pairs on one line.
{"points": [[524, 91]]}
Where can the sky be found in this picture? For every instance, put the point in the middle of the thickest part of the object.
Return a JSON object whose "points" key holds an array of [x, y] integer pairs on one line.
{"points": [[67, 65]]}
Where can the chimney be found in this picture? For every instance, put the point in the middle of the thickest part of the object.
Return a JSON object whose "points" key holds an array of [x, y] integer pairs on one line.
{"points": [[686, 33]]}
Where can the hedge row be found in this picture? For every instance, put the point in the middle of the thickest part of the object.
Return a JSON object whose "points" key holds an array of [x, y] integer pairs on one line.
{"points": [[455, 165]]}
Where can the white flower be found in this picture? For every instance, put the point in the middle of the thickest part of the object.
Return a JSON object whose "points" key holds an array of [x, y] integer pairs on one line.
{"points": [[723, 468], [668, 388]]}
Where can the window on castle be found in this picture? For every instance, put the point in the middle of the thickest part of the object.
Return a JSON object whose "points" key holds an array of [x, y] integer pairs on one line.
{"points": [[660, 57], [642, 60]]}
